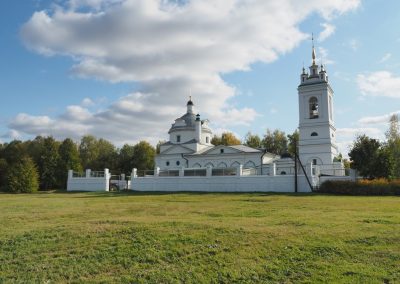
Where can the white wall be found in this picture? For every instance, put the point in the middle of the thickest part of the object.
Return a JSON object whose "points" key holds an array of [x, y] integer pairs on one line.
{"points": [[88, 183], [220, 184]]}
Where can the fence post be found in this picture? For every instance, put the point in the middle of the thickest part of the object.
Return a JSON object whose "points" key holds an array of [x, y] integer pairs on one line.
{"points": [[107, 173], [157, 172], [239, 170], [134, 173], [70, 174], [273, 172], [182, 171], [87, 174], [209, 171]]}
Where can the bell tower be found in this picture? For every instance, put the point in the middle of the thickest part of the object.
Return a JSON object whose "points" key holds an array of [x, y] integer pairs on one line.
{"points": [[317, 142]]}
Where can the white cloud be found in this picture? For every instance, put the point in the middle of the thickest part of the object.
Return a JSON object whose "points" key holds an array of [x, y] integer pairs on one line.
{"points": [[385, 58], [87, 102], [329, 30], [168, 47], [323, 56], [380, 119], [379, 84], [353, 132], [354, 44], [346, 136]]}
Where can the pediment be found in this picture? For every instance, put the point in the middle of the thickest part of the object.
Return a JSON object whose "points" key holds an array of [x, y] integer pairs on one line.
{"points": [[177, 149]]}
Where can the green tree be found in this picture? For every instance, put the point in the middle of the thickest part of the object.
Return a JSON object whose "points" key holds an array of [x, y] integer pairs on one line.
{"points": [[3, 173], [370, 158], [68, 159], [293, 142], [14, 151], [275, 142], [158, 146], [252, 140], [125, 158], [107, 155], [393, 143], [23, 176], [98, 154], [227, 139], [143, 156], [49, 161], [88, 151]]}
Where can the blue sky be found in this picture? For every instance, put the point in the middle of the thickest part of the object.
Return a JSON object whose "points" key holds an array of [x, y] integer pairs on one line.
{"points": [[123, 69]]}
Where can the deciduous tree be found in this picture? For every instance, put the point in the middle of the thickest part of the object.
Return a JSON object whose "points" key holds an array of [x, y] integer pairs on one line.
{"points": [[23, 176], [275, 142], [227, 139], [370, 158], [393, 143], [252, 140], [143, 156], [49, 161], [68, 159]]}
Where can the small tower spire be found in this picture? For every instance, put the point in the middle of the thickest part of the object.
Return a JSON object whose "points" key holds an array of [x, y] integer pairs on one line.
{"points": [[313, 49]]}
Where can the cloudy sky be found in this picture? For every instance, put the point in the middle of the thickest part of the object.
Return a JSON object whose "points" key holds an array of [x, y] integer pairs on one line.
{"points": [[123, 69]]}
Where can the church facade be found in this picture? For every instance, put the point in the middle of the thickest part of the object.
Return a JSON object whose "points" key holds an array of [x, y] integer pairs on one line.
{"points": [[189, 144]]}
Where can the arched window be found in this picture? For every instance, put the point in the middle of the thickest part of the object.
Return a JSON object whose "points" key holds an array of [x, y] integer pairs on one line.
{"points": [[313, 107], [235, 164], [249, 164], [283, 173], [209, 164], [314, 134], [197, 165], [222, 165]]}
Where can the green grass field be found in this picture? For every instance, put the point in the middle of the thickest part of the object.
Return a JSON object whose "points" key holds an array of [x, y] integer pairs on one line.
{"points": [[199, 238]]}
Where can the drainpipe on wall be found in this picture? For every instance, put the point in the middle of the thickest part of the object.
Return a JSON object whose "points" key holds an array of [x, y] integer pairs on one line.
{"points": [[187, 161]]}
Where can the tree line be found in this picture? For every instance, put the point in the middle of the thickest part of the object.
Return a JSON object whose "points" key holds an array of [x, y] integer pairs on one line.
{"points": [[44, 161], [375, 159]]}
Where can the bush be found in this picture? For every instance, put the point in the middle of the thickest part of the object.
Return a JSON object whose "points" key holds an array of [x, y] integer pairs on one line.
{"points": [[362, 187], [23, 177]]}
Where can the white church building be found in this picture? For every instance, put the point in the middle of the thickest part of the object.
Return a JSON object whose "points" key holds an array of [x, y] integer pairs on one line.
{"points": [[189, 146], [189, 162]]}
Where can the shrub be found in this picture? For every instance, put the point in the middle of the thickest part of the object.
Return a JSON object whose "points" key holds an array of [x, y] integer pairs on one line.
{"points": [[23, 177], [362, 187]]}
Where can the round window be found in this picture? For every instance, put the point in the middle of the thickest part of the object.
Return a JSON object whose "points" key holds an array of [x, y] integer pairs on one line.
{"points": [[178, 163], [167, 163]]}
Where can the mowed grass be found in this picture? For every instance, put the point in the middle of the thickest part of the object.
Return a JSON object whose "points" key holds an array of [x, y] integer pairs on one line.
{"points": [[199, 238]]}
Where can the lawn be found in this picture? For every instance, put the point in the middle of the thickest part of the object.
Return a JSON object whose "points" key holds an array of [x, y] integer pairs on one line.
{"points": [[199, 238]]}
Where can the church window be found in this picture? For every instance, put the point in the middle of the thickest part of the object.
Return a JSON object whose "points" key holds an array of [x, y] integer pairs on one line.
{"points": [[314, 134], [283, 173], [167, 163], [221, 151], [313, 107], [178, 163], [314, 161], [178, 138]]}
